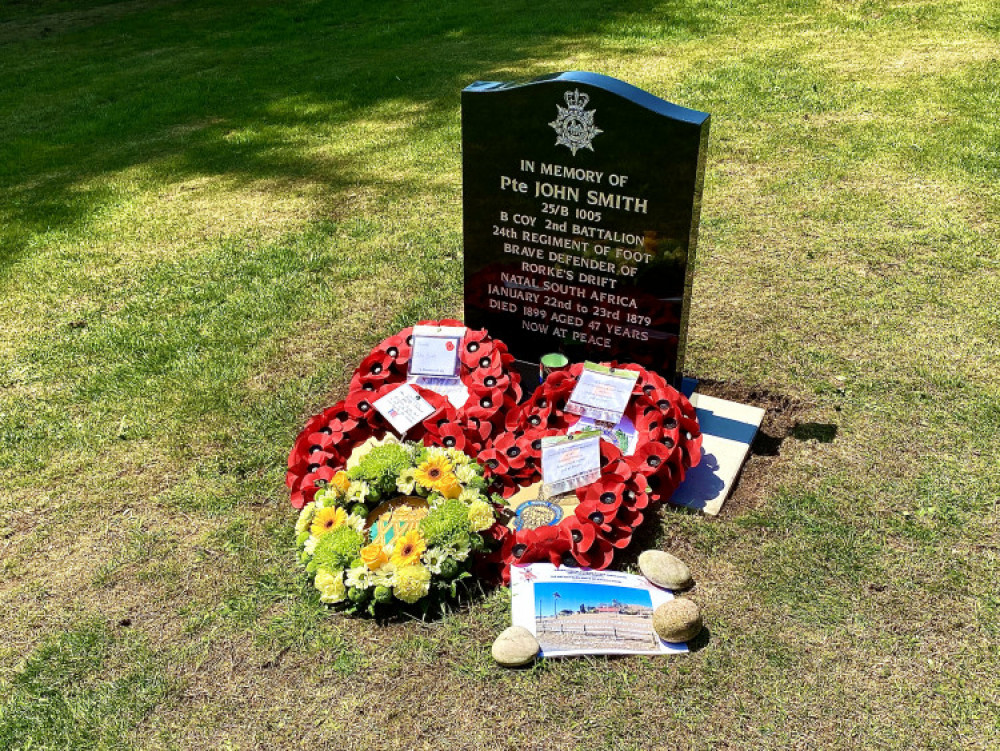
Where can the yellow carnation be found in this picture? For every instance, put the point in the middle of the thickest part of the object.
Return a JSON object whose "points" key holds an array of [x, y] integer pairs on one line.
{"points": [[374, 556], [412, 582], [330, 585], [327, 519], [305, 518], [480, 516], [408, 548]]}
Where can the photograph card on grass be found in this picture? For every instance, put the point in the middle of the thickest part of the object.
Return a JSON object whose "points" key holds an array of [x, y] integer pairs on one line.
{"points": [[574, 611]]}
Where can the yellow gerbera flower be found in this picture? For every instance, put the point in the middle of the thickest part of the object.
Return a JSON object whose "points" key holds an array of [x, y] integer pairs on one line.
{"points": [[327, 519], [408, 549], [430, 472], [374, 556], [341, 482]]}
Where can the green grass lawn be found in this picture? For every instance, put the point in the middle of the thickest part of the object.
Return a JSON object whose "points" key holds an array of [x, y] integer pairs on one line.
{"points": [[210, 211]]}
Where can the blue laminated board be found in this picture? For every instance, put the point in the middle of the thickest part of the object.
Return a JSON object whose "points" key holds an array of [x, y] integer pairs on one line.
{"points": [[728, 429]]}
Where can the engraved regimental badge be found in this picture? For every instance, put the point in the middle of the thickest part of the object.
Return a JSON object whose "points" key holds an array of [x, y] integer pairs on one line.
{"points": [[575, 124]]}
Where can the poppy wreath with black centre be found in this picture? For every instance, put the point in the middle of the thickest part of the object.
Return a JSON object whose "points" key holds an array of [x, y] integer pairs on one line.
{"points": [[326, 442], [486, 370], [610, 509]]}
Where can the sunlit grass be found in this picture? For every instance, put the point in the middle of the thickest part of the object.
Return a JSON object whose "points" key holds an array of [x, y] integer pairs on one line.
{"points": [[209, 212]]}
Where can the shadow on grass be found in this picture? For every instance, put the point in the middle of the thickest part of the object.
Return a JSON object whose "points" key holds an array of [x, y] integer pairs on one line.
{"points": [[244, 90]]}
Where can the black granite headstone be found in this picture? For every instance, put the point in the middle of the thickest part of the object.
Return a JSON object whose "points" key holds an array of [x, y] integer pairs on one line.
{"points": [[582, 196]]}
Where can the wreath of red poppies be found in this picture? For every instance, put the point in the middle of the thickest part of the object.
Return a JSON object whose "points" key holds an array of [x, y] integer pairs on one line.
{"points": [[609, 511], [506, 438], [328, 438]]}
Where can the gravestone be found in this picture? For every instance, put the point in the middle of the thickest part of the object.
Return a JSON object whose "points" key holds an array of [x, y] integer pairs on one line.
{"points": [[581, 197]]}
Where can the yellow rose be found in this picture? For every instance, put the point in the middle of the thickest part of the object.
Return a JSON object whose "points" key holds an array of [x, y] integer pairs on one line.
{"points": [[341, 482], [449, 487], [374, 556]]}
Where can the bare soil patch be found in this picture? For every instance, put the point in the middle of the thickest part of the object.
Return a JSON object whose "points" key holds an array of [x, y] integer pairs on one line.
{"points": [[783, 419]]}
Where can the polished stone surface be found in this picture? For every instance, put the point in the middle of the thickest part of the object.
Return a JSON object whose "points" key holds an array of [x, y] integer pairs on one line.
{"points": [[581, 203]]}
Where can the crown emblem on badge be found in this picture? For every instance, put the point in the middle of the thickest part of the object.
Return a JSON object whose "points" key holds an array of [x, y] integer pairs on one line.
{"points": [[574, 125]]}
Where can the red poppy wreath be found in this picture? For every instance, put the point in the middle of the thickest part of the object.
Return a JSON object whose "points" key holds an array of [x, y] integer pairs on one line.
{"points": [[485, 370], [328, 439], [602, 517]]}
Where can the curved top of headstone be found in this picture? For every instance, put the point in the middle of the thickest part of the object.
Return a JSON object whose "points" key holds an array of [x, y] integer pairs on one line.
{"points": [[613, 85]]}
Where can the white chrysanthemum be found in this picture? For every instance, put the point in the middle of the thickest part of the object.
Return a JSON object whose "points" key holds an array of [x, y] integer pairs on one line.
{"points": [[357, 491], [469, 496], [356, 522], [305, 518], [434, 500], [359, 577], [465, 473], [433, 558], [310, 546], [385, 576], [406, 483]]}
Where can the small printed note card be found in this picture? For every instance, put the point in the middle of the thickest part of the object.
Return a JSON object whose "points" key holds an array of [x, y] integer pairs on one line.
{"points": [[622, 434], [602, 393], [434, 351], [570, 461], [403, 407]]}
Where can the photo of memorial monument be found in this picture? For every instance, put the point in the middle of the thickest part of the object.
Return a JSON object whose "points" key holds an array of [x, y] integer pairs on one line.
{"points": [[593, 618]]}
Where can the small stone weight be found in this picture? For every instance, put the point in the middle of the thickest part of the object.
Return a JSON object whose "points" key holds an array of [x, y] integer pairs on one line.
{"points": [[515, 646], [678, 620], [664, 570]]}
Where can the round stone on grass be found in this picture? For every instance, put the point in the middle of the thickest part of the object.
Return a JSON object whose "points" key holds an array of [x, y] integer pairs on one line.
{"points": [[515, 646], [664, 570], [678, 620]]}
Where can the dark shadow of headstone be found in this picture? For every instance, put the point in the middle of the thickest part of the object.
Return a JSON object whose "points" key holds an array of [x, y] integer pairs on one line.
{"points": [[765, 444], [824, 432]]}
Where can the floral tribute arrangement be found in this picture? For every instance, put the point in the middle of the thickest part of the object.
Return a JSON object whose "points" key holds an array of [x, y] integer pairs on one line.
{"points": [[668, 443], [401, 522]]}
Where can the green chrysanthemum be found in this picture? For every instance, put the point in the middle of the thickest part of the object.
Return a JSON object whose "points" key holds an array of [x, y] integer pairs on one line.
{"points": [[381, 466], [447, 524], [337, 549]]}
